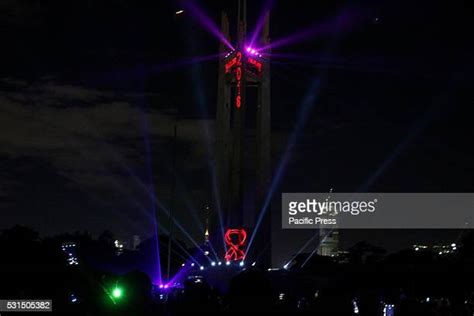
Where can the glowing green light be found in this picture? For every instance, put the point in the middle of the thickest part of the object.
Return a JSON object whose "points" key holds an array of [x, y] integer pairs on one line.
{"points": [[117, 292]]}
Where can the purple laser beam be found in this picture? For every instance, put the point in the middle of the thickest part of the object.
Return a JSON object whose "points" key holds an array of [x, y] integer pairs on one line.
{"points": [[202, 18], [331, 26], [261, 21]]}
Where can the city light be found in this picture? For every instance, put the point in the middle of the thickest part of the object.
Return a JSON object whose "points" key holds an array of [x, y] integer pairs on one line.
{"points": [[213, 263], [227, 263], [388, 310], [201, 268], [355, 307], [73, 298]]}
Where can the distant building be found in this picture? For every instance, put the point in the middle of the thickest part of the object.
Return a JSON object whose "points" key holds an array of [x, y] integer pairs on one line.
{"points": [[342, 256], [206, 233], [329, 239], [136, 241], [329, 242]]}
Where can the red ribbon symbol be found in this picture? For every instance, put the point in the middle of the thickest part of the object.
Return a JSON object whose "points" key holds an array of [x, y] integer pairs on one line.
{"points": [[235, 252]]}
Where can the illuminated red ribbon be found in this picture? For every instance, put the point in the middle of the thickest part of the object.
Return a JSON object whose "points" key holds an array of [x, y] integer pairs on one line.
{"points": [[234, 252]]}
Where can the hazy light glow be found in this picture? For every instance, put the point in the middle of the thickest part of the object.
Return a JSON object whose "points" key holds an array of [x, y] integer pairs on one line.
{"points": [[306, 107], [202, 18], [261, 21], [117, 292]]}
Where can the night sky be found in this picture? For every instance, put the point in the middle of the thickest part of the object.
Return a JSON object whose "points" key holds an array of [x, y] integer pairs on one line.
{"points": [[90, 92]]}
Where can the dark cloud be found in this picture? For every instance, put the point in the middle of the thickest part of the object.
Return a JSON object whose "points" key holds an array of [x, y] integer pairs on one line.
{"points": [[95, 142]]}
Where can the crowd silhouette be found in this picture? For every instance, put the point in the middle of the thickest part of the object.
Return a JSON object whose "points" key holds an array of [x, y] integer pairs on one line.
{"points": [[371, 283]]}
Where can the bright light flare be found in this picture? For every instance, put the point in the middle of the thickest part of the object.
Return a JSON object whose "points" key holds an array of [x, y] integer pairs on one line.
{"points": [[253, 51], [117, 292], [179, 12]]}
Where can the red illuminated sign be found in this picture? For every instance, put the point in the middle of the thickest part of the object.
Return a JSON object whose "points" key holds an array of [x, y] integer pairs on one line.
{"points": [[235, 65], [258, 65], [230, 64], [235, 240], [238, 79]]}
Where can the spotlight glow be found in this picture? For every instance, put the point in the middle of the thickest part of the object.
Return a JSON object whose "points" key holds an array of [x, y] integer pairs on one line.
{"points": [[213, 263], [201, 268], [227, 263]]}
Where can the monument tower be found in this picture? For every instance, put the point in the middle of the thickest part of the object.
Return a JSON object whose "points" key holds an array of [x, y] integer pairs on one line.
{"points": [[243, 136]]}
